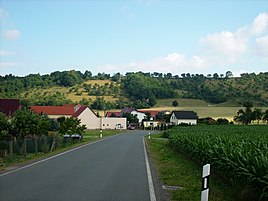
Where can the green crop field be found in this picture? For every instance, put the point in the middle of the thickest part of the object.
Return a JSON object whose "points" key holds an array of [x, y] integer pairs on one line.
{"points": [[239, 153]]}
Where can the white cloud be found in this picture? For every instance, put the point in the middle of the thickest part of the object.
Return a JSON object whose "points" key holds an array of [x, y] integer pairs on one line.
{"points": [[12, 34], [6, 53], [173, 63], [262, 46], [260, 24], [228, 44], [228, 47]]}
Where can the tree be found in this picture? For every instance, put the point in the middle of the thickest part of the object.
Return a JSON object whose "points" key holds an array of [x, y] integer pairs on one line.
{"points": [[131, 118], [71, 126], [228, 74], [222, 121], [215, 76], [245, 116], [152, 101], [175, 103], [4, 125], [257, 114], [27, 123], [265, 116]]}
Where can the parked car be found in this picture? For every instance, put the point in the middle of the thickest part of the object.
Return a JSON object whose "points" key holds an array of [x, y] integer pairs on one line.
{"points": [[131, 127], [73, 137]]}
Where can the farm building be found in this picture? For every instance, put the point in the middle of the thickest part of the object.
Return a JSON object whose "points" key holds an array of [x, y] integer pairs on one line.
{"points": [[183, 117], [55, 112], [132, 111], [92, 121], [85, 114], [9, 106]]}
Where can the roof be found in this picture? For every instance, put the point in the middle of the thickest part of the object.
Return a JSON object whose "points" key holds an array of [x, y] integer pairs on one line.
{"points": [[112, 114], [54, 110], [185, 114], [127, 110], [152, 113], [9, 106], [79, 111]]}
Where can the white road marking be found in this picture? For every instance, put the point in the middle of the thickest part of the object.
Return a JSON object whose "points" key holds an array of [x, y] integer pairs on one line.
{"points": [[149, 175], [57, 155]]}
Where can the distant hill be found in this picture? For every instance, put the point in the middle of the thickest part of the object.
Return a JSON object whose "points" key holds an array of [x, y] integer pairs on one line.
{"points": [[139, 90]]}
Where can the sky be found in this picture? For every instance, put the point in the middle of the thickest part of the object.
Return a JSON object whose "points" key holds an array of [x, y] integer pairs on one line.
{"points": [[111, 36]]}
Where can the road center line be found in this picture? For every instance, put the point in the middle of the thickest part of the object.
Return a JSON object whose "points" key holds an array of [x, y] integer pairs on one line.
{"points": [[57, 155], [149, 175]]}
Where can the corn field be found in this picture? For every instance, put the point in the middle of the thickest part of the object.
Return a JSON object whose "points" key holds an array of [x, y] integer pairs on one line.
{"points": [[240, 153]]}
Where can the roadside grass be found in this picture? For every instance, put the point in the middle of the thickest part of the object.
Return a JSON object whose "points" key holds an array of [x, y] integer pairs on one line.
{"points": [[19, 160], [177, 170]]}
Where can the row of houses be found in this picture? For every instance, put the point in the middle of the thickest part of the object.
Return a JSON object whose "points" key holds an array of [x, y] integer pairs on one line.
{"points": [[111, 120]]}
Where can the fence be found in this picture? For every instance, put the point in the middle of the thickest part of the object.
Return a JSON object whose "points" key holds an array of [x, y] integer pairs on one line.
{"points": [[20, 146]]}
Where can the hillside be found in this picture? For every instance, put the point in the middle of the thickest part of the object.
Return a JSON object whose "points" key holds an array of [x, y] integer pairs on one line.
{"points": [[139, 90]]}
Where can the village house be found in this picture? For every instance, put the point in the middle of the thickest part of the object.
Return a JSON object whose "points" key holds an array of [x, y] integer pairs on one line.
{"points": [[92, 121], [183, 117], [85, 114], [150, 124], [141, 116], [154, 113], [55, 112]]}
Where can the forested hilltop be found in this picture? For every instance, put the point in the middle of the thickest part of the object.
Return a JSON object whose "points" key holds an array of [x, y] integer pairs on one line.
{"points": [[103, 91]]}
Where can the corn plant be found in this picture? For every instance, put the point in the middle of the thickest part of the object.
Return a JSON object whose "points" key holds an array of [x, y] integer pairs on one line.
{"points": [[241, 152]]}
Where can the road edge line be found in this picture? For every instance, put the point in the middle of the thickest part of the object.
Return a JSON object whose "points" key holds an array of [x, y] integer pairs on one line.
{"points": [[149, 175], [55, 156]]}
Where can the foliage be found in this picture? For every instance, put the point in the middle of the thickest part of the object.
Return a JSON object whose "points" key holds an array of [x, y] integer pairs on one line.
{"points": [[144, 88], [141, 89], [27, 123], [247, 115], [131, 118], [265, 116], [4, 125], [222, 121], [71, 126], [175, 103], [240, 152]]}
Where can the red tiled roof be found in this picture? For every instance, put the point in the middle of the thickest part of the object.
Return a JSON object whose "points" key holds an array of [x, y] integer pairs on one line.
{"points": [[9, 106], [153, 113], [79, 111], [54, 110], [110, 114]]}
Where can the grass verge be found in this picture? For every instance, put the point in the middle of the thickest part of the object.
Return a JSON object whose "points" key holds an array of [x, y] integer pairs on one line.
{"points": [[177, 170]]}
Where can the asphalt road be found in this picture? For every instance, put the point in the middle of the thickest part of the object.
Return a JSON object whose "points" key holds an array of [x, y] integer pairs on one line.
{"points": [[113, 169]]}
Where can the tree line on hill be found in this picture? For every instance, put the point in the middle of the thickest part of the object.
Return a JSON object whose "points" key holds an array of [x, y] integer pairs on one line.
{"points": [[141, 89]]}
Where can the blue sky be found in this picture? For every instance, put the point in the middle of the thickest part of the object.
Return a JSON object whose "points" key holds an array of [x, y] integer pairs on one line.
{"points": [[177, 36]]}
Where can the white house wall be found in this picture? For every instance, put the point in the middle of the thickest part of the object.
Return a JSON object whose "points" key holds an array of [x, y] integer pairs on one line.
{"points": [[113, 123], [173, 119], [89, 119], [187, 121], [140, 115]]}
